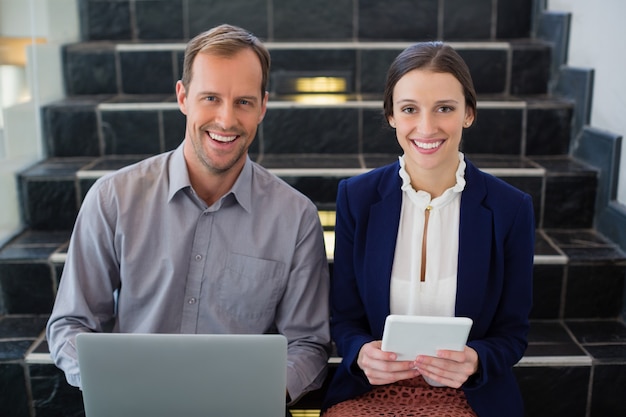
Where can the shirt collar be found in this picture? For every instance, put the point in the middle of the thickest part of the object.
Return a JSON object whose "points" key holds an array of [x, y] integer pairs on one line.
{"points": [[242, 188], [178, 175], [179, 180], [422, 198]]}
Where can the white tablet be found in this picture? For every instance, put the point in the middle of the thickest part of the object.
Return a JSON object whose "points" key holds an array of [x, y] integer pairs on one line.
{"points": [[410, 336]]}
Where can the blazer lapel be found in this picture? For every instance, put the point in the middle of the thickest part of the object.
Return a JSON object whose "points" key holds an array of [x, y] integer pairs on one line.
{"points": [[475, 240], [381, 244]]}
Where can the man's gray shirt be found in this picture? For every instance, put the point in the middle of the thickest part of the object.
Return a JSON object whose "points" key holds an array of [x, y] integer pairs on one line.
{"points": [[253, 262]]}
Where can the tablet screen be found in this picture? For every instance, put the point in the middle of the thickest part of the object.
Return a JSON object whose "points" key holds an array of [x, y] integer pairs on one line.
{"points": [[410, 336]]}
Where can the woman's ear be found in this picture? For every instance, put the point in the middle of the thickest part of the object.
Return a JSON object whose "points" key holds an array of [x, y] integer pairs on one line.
{"points": [[392, 122], [469, 118]]}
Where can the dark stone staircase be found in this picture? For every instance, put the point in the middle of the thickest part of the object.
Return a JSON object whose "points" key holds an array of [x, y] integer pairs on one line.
{"points": [[120, 108]]}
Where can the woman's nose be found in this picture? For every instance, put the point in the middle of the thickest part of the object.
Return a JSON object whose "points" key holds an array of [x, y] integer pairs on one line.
{"points": [[426, 124]]}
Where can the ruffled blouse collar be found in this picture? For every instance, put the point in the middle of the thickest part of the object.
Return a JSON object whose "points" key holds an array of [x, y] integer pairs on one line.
{"points": [[423, 199]]}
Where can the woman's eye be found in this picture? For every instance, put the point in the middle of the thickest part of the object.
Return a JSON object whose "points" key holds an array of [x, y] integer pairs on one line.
{"points": [[446, 109], [408, 110]]}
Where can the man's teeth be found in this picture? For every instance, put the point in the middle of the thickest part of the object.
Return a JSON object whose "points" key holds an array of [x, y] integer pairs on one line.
{"points": [[221, 138], [428, 145]]}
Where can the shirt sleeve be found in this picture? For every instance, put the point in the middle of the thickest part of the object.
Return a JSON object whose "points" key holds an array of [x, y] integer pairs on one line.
{"points": [[303, 312], [85, 297]]}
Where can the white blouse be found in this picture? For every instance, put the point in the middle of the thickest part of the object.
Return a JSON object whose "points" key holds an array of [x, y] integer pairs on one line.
{"points": [[436, 296]]}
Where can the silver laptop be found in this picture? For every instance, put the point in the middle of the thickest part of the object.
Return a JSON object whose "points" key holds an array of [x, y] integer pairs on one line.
{"points": [[182, 375]]}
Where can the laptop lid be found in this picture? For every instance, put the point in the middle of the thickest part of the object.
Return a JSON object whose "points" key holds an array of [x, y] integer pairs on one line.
{"points": [[188, 375]]}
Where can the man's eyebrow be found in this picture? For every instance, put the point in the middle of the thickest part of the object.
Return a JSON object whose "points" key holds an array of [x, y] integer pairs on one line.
{"points": [[249, 98], [212, 93]]}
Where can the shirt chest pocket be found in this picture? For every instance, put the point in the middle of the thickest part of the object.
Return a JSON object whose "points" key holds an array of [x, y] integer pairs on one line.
{"points": [[251, 287]]}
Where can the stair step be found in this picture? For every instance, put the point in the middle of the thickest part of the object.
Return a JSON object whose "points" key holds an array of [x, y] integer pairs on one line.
{"points": [[307, 21], [520, 67], [578, 274], [562, 188], [119, 125]]}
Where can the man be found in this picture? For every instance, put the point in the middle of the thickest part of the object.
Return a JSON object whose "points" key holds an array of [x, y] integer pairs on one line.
{"points": [[201, 239]]}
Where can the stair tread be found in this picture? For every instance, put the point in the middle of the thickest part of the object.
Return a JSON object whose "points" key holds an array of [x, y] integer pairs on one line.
{"points": [[550, 342], [63, 167]]}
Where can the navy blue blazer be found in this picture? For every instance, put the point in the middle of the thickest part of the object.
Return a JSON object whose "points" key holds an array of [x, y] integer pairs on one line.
{"points": [[494, 280]]}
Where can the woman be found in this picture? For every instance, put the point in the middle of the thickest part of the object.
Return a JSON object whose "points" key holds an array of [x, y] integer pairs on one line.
{"points": [[430, 235]]}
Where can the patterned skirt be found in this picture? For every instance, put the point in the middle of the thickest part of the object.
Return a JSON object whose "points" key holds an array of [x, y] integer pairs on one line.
{"points": [[409, 398]]}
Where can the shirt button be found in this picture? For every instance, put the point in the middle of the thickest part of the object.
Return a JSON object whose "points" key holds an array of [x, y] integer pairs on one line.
{"points": [[198, 257], [192, 300]]}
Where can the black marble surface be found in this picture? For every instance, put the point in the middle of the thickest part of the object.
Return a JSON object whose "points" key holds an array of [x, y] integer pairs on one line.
{"points": [[307, 20], [13, 393], [513, 19], [71, 129], [159, 19], [554, 391], [131, 132], [406, 20], [401, 20], [136, 79], [549, 130], [576, 84], [90, 69], [52, 395], [530, 73], [488, 68], [548, 281], [461, 19], [609, 386], [495, 131], [311, 130], [205, 14], [105, 19]]}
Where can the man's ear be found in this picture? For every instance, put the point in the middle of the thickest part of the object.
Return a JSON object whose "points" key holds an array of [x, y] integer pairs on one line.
{"points": [[263, 107], [181, 97]]}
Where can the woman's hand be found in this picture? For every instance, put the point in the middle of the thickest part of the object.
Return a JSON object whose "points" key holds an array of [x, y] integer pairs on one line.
{"points": [[381, 368], [450, 368]]}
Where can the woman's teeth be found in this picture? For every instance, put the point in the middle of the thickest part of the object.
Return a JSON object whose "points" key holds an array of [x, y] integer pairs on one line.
{"points": [[221, 138], [428, 145]]}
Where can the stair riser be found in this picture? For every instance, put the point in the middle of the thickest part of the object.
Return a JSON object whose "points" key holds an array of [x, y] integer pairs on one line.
{"points": [[502, 128], [570, 280], [104, 68], [560, 201], [305, 20]]}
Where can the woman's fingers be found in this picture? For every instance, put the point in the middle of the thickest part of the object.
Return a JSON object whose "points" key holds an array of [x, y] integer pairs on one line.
{"points": [[381, 367]]}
